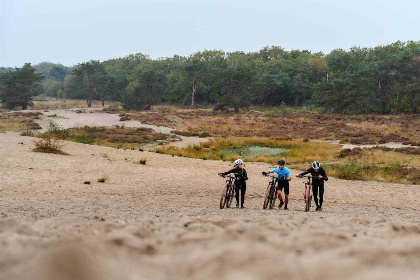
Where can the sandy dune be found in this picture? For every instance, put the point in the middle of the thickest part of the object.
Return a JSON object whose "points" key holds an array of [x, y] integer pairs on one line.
{"points": [[161, 221]]}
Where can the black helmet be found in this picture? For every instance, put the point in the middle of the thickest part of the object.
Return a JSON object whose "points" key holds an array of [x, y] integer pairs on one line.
{"points": [[281, 162], [315, 165]]}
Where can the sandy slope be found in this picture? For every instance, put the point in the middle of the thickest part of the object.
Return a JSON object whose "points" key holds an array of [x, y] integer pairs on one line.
{"points": [[161, 221]]}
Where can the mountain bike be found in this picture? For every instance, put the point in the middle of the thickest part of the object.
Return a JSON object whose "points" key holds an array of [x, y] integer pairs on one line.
{"points": [[271, 194], [307, 195], [228, 192]]}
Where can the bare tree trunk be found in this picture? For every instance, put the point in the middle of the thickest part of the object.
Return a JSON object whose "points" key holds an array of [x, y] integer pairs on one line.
{"points": [[193, 89], [89, 103]]}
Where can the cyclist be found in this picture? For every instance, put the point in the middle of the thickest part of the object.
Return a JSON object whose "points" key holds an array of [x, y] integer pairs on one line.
{"points": [[319, 172], [283, 173], [240, 180]]}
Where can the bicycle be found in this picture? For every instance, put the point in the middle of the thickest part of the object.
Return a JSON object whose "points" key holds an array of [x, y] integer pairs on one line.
{"points": [[228, 192], [307, 195], [271, 193]]}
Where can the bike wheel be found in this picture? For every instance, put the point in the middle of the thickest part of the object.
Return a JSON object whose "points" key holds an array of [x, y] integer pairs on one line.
{"points": [[307, 199], [229, 198], [273, 201], [267, 196], [272, 196], [223, 197]]}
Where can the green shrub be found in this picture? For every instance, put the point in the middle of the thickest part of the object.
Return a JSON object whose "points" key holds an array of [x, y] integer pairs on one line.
{"points": [[350, 171], [393, 168], [85, 139], [48, 145]]}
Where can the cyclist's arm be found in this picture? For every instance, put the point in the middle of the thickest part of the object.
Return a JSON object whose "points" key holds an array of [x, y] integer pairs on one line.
{"points": [[228, 172], [324, 175], [304, 173], [245, 175], [289, 176]]}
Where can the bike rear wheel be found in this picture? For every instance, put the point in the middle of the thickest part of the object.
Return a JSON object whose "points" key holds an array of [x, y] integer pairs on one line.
{"points": [[273, 197], [267, 196], [223, 197]]}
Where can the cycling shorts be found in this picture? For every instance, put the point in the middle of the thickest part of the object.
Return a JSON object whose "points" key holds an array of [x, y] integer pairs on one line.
{"points": [[283, 184]]}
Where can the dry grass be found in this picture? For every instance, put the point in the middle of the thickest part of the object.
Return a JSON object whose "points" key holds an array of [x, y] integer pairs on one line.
{"points": [[53, 104], [387, 165], [357, 129], [117, 137], [381, 164], [258, 150], [17, 121]]}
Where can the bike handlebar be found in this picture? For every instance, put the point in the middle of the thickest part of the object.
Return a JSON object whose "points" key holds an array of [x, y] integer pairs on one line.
{"points": [[226, 176], [268, 175], [308, 176]]}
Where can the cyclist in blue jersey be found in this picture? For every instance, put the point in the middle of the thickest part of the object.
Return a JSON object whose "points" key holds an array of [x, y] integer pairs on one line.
{"points": [[284, 176]]}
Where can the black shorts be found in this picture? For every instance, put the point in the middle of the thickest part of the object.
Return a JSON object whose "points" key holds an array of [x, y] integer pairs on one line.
{"points": [[283, 184]]}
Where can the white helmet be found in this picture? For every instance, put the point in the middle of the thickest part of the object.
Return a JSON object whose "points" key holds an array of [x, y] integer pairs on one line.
{"points": [[315, 165], [238, 161]]}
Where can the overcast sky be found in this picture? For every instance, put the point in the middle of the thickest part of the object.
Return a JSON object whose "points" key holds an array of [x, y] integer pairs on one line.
{"points": [[76, 31]]}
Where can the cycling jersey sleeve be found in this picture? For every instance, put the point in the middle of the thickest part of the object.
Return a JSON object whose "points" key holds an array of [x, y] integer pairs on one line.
{"points": [[324, 174], [244, 175], [306, 172], [230, 171]]}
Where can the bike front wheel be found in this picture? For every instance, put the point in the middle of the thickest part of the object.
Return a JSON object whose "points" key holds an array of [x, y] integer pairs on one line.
{"points": [[223, 197]]}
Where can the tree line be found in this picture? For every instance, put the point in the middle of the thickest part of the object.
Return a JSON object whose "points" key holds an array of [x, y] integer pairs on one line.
{"points": [[384, 79]]}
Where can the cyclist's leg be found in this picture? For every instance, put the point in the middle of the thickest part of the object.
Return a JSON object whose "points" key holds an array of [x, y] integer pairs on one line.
{"points": [[286, 193], [243, 190], [237, 193], [279, 189], [321, 194], [315, 194]]}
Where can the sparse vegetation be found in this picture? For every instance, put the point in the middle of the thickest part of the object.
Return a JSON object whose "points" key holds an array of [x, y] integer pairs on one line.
{"points": [[295, 124], [16, 121], [48, 145], [117, 137], [387, 165], [256, 149], [142, 161], [103, 179], [54, 103]]}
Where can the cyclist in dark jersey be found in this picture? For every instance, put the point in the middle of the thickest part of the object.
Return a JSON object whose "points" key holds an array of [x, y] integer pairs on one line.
{"points": [[317, 183], [240, 180]]}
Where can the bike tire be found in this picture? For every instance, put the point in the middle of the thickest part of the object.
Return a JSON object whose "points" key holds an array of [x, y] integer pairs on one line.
{"points": [[273, 201], [267, 196], [230, 198], [223, 197], [307, 199], [272, 196]]}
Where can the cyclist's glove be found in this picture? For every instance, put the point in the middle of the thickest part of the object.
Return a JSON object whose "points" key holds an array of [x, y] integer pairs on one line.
{"points": [[300, 176], [264, 173]]}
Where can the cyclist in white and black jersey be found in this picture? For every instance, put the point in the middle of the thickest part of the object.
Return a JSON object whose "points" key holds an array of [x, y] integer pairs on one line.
{"points": [[240, 180], [317, 183]]}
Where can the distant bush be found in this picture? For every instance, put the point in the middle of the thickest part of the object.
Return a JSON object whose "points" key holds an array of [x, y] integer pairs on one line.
{"points": [[350, 171], [48, 145]]}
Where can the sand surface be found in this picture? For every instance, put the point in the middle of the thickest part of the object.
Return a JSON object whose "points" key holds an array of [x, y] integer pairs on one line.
{"points": [[162, 221]]}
